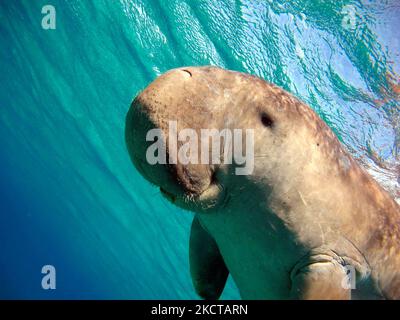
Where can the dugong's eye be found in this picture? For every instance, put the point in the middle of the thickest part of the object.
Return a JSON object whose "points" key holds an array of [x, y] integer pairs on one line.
{"points": [[266, 120]]}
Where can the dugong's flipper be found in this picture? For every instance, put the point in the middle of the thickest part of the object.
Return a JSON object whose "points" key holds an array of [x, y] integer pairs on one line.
{"points": [[207, 268], [321, 275]]}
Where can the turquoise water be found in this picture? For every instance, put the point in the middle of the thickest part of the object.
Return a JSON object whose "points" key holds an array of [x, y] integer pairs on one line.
{"points": [[70, 196]]}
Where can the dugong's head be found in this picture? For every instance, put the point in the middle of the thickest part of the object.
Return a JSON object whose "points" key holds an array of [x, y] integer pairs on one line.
{"points": [[254, 118]]}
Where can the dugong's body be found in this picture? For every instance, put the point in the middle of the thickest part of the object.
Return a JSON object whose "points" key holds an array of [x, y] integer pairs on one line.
{"points": [[305, 217]]}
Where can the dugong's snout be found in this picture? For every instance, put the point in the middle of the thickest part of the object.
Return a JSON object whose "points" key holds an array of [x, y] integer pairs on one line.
{"points": [[155, 119], [137, 128]]}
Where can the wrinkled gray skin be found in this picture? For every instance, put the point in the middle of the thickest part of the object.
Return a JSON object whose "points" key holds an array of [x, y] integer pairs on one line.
{"points": [[292, 228]]}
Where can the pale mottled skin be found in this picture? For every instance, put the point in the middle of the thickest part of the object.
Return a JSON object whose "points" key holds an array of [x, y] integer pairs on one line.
{"points": [[286, 230]]}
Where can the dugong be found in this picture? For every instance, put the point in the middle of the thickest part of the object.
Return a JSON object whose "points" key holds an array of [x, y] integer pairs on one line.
{"points": [[306, 222]]}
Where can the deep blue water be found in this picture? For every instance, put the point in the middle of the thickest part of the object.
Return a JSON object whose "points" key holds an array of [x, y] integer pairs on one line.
{"points": [[69, 195]]}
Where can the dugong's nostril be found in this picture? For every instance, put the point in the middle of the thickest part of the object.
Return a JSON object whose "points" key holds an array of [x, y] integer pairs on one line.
{"points": [[187, 71]]}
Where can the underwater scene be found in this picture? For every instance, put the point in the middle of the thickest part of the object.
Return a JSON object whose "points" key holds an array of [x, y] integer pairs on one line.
{"points": [[69, 195]]}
